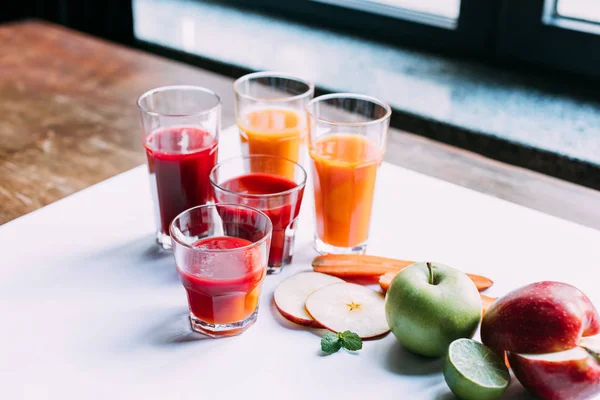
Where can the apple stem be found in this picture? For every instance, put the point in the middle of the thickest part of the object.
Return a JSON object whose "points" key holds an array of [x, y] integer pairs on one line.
{"points": [[430, 268]]}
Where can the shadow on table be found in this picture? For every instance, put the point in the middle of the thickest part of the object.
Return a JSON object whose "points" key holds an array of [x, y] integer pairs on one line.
{"points": [[398, 360], [304, 253], [139, 260], [174, 330], [515, 392], [446, 396]]}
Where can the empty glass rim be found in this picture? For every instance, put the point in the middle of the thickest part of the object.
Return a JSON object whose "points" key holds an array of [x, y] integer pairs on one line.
{"points": [[386, 107], [273, 74], [298, 186], [176, 87], [238, 206]]}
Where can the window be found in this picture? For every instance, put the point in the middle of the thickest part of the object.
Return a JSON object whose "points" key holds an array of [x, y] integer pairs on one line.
{"points": [[447, 11], [562, 34], [585, 10], [462, 26]]}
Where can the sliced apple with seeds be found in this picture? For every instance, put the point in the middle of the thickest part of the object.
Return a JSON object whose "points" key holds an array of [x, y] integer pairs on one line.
{"points": [[349, 307], [291, 294]]}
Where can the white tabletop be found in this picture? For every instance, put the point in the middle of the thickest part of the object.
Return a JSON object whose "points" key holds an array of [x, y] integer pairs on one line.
{"points": [[91, 309]]}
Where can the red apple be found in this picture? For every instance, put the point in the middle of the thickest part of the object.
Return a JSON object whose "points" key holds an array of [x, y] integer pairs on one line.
{"points": [[569, 374], [542, 317]]}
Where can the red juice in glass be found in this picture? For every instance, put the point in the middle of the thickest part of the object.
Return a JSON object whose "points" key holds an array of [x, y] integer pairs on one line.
{"points": [[256, 181], [180, 131], [281, 214], [179, 162], [221, 253], [231, 292]]}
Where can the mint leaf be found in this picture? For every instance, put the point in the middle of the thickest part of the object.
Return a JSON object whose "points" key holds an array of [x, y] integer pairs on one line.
{"points": [[330, 343], [351, 341]]}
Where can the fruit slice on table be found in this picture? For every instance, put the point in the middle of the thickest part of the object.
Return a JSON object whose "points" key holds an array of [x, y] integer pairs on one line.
{"points": [[349, 307], [568, 374], [486, 302], [473, 371], [291, 294], [481, 282], [385, 280], [357, 265]]}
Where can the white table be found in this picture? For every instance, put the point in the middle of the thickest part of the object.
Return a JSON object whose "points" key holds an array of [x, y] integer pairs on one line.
{"points": [[91, 309]]}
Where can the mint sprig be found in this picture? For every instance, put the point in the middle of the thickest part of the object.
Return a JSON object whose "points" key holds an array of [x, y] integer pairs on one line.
{"points": [[332, 342]]}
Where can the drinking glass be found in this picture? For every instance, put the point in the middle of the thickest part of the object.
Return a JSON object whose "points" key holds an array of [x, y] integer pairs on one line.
{"points": [[180, 132], [347, 139], [221, 253], [256, 181], [271, 115]]}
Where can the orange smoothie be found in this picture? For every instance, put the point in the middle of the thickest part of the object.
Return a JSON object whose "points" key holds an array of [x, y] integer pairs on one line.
{"points": [[344, 171], [274, 131]]}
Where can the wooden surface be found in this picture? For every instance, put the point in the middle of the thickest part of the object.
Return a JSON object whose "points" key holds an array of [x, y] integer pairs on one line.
{"points": [[68, 119]]}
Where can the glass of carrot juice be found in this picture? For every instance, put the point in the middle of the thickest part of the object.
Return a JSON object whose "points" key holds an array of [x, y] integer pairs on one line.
{"points": [[347, 139], [221, 253], [271, 115]]}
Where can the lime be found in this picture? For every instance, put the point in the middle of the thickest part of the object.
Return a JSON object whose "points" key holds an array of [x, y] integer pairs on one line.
{"points": [[474, 372]]}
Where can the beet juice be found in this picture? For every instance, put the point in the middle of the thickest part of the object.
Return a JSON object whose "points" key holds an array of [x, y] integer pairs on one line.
{"points": [[221, 253], [278, 199], [179, 162], [231, 292]]}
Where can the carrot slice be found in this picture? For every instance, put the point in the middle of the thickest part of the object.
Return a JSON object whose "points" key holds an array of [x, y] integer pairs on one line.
{"points": [[362, 266], [481, 282], [348, 266], [356, 271], [486, 302], [385, 280], [357, 265], [358, 259]]}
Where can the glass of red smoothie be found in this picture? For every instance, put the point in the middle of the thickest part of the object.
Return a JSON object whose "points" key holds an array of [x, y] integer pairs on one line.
{"points": [[257, 181], [180, 132], [221, 252]]}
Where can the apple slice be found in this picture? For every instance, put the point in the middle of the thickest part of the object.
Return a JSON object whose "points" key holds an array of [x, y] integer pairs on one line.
{"points": [[349, 307], [291, 294], [567, 374]]}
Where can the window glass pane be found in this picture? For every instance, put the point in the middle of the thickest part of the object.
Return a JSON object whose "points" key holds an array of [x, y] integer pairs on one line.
{"points": [[588, 10], [443, 8]]}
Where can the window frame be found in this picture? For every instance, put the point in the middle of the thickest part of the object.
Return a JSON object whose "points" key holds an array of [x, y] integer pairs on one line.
{"points": [[532, 32]]}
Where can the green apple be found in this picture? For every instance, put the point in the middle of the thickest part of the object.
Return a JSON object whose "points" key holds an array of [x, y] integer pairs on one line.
{"points": [[429, 305]]}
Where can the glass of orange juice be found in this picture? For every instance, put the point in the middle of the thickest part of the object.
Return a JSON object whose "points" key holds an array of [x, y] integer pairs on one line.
{"points": [[271, 115], [347, 139]]}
